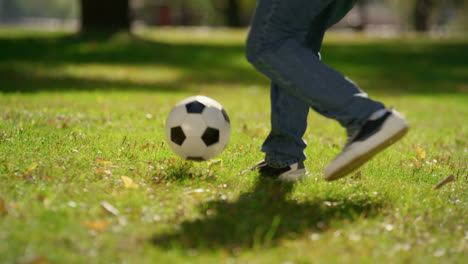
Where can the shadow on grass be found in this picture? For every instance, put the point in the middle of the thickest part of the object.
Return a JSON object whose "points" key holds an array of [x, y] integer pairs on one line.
{"points": [[261, 218], [383, 67]]}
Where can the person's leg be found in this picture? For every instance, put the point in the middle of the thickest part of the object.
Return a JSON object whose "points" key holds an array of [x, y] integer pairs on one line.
{"points": [[284, 44], [276, 47], [332, 14], [284, 144]]}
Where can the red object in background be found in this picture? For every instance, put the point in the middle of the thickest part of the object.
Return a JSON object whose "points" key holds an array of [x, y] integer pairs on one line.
{"points": [[164, 16]]}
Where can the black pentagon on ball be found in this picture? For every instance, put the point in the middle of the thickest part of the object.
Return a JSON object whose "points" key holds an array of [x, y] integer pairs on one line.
{"points": [[178, 135], [210, 136], [195, 107], [197, 159]]}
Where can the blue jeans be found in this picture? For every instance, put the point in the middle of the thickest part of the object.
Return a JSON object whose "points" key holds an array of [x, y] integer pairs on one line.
{"points": [[284, 44]]}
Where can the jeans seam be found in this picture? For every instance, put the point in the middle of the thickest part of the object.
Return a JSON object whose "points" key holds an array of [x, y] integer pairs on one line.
{"points": [[273, 158]]}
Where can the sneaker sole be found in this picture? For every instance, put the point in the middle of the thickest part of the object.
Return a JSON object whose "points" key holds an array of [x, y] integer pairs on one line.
{"points": [[293, 176], [359, 160]]}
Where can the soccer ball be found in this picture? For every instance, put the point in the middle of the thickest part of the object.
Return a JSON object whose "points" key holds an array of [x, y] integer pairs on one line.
{"points": [[198, 128]]}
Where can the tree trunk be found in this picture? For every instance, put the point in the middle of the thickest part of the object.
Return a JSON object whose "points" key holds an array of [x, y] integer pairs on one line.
{"points": [[107, 16], [186, 18], [422, 15], [363, 15], [232, 13]]}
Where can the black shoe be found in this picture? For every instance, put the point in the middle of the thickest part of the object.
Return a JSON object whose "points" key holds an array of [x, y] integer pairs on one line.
{"points": [[293, 172], [376, 135]]}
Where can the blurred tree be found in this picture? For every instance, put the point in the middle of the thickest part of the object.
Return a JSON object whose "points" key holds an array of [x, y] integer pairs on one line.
{"points": [[9, 10], [231, 10], [187, 17], [231, 13], [363, 15], [425, 15], [108, 16], [422, 14], [16, 10]]}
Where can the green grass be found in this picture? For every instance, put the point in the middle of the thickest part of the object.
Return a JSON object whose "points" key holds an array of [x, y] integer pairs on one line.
{"points": [[74, 120]]}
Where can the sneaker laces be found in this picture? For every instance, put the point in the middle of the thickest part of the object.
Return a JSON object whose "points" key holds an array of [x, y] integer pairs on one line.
{"points": [[376, 115]]}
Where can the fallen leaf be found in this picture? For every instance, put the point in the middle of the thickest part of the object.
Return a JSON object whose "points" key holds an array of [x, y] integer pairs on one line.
{"points": [[197, 191], [109, 208], [128, 183], [32, 167], [104, 172], [103, 162], [420, 152], [331, 204], [41, 197], [145, 146], [215, 162], [388, 227], [3, 207], [34, 260], [416, 163], [98, 225], [439, 253], [357, 175], [63, 124], [449, 179]]}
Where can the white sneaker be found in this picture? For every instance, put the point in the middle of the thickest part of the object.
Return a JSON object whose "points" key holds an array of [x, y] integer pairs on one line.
{"points": [[290, 173], [374, 136]]}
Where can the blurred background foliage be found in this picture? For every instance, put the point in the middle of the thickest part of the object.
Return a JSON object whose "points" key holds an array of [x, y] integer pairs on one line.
{"points": [[397, 15]]}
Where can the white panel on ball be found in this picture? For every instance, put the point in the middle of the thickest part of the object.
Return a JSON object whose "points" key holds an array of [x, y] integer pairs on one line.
{"points": [[193, 147], [176, 117], [208, 101], [213, 117], [194, 125], [213, 151]]}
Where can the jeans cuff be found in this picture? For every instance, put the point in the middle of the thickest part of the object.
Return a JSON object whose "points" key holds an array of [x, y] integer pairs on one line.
{"points": [[275, 162]]}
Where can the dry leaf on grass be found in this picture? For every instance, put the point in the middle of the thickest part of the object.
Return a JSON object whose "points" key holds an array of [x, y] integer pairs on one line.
{"points": [[449, 179], [3, 207], [34, 260], [102, 162], [420, 152], [103, 172], [109, 208], [32, 167], [97, 225], [128, 183]]}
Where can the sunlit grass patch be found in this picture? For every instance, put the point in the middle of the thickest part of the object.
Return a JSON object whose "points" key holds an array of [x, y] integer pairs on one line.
{"points": [[136, 74]]}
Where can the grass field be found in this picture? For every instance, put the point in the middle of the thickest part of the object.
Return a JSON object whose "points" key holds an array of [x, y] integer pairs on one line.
{"points": [[86, 175]]}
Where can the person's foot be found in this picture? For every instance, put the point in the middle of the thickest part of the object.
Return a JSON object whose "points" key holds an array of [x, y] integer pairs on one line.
{"points": [[293, 172], [377, 134]]}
